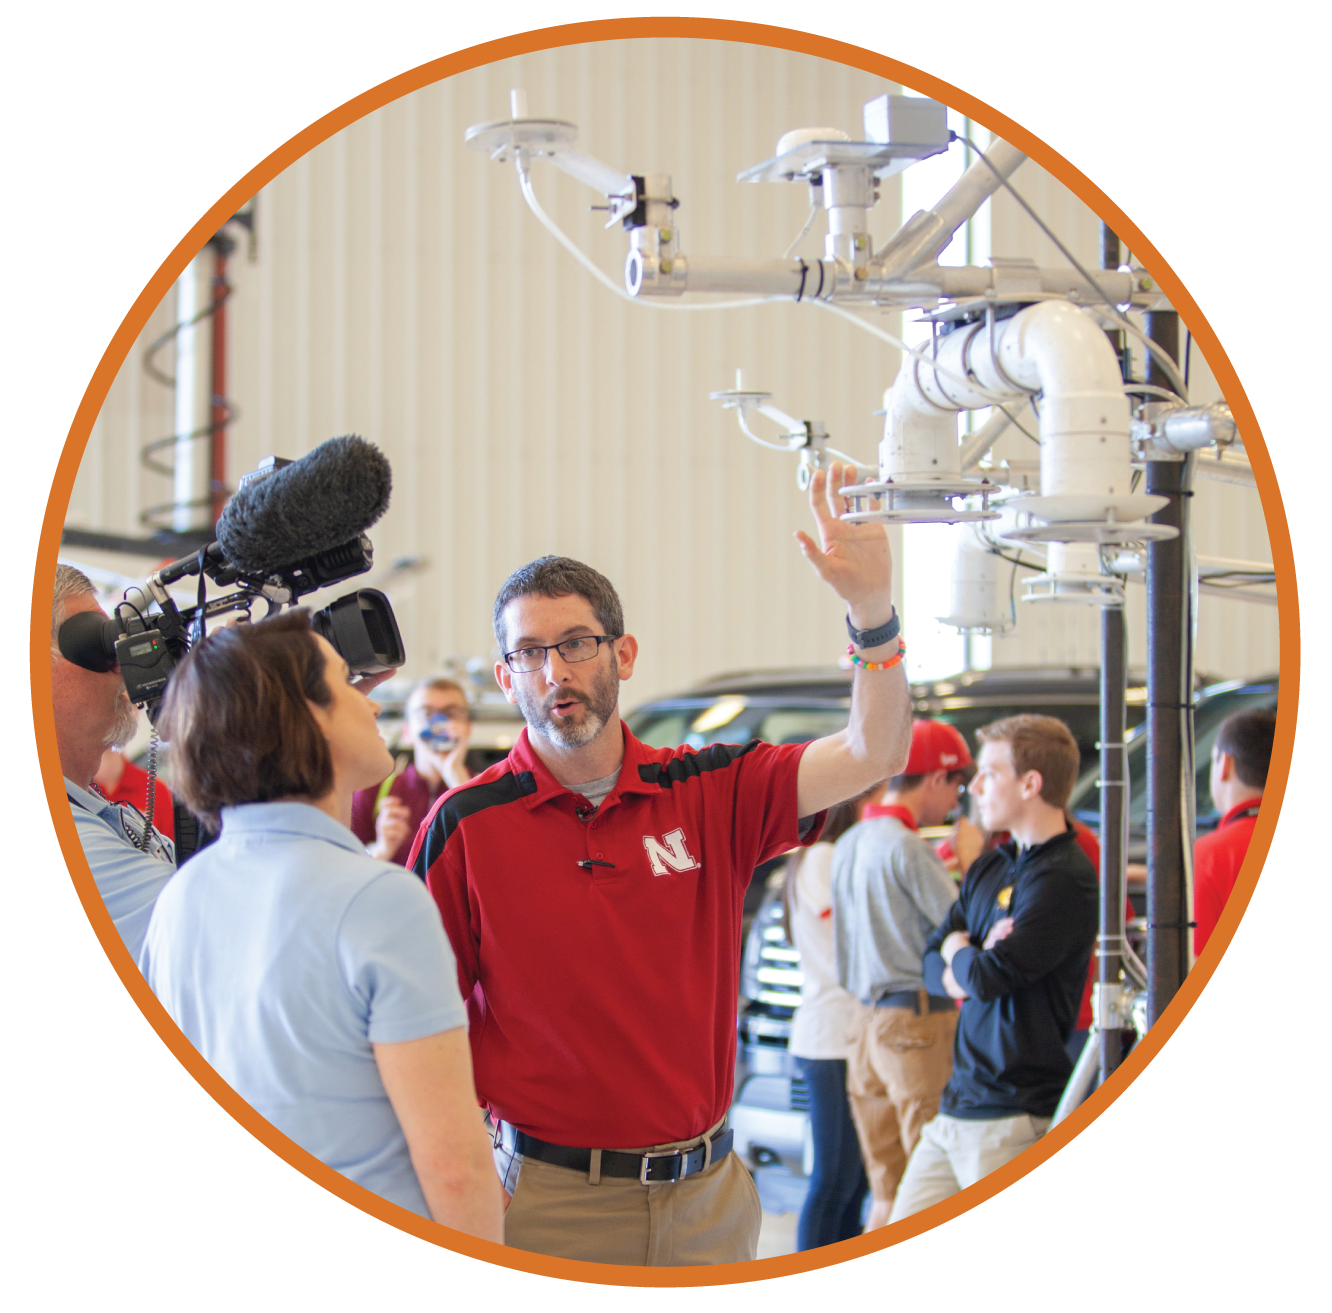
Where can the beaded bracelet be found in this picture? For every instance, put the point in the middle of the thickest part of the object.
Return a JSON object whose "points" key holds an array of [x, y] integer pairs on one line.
{"points": [[876, 665]]}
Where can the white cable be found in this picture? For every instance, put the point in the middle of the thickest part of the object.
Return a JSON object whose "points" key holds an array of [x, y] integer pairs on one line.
{"points": [[1149, 390], [550, 225], [1162, 356], [841, 455], [804, 232], [753, 437], [919, 352]]}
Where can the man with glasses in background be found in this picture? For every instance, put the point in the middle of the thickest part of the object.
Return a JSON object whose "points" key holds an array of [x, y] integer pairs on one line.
{"points": [[593, 890], [437, 730]]}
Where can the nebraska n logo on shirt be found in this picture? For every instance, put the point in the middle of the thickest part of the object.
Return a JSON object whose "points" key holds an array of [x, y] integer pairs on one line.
{"points": [[669, 853]]}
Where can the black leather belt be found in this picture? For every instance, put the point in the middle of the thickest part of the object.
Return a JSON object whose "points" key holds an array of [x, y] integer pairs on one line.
{"points": [[665, 1166], [910, 998]]}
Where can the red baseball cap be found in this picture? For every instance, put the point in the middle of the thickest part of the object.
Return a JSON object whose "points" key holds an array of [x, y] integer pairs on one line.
{"points": [[936, 746]]}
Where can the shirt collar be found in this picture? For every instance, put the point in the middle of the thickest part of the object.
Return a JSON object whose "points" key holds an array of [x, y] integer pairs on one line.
{"points": [[902, 814], [522, 757], [300, 818], [88, 801], [1249, 807]]}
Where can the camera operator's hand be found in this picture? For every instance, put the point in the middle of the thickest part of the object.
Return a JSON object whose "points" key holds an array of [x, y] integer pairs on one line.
{"points": [[393, 825]]}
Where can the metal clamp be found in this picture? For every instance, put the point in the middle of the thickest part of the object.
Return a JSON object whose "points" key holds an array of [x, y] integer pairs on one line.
{"points": [[1109, 1006]]}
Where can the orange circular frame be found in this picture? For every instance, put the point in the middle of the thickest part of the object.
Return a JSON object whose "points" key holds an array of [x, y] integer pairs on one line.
{"points": [[547, 39]]}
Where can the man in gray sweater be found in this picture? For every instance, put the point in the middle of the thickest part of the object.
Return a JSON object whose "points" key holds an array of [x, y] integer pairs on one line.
{"points": [[889, 892]]}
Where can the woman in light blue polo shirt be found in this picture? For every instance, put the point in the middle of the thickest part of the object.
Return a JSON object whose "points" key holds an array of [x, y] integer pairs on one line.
{"points": [[315, 980]]}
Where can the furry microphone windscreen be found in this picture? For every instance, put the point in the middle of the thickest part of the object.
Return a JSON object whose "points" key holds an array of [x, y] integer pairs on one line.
{"points": [[323, 500]]}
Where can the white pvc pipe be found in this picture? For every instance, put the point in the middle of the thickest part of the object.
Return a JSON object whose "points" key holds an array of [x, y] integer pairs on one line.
{"points": [[705, 273], [973, 585], [193, 398], [1053, 349]]}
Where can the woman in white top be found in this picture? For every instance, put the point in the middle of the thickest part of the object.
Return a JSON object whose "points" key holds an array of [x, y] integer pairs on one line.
{"points": [[826, 1024]]}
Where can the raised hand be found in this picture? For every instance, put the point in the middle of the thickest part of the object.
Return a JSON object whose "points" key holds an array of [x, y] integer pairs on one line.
{"points": [[852, 558]]}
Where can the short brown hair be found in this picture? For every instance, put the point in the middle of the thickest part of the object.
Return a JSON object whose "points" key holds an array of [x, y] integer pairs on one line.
{"points": [[1039, 743], [561, 576], [236, 718], [1248, 736], [436, 684]]}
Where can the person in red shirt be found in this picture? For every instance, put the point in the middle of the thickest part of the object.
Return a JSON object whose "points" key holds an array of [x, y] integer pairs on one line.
{"points": [[593, 890], [120, 780], [437, 730], [1240, 758]]}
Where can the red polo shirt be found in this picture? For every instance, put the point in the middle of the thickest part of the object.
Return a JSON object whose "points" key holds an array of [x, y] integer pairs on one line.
{"points": [[1216, 863], [602, 998]]}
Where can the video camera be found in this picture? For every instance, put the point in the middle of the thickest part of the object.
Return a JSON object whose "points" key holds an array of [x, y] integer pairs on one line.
{"points": [[292, 527]]}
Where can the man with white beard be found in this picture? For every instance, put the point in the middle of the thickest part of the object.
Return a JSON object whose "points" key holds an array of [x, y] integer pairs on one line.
{"points": [[92, 713], [593, 886]]}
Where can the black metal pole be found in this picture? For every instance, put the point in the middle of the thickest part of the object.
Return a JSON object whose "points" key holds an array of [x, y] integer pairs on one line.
{"points": [[1110, 247], [1167, 707], [1114, 775], [1114, 814], [1110, 259]]}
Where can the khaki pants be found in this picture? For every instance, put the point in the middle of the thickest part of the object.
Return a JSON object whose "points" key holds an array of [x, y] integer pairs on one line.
{"points": [[954, 1153], [895, 1073], [711, 1217]]}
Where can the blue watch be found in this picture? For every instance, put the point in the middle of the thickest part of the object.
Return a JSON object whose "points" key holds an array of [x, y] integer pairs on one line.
{"points": [[867, 638]]}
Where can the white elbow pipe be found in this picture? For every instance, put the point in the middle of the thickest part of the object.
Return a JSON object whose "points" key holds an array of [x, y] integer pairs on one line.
{"points": [[1051, 350]]}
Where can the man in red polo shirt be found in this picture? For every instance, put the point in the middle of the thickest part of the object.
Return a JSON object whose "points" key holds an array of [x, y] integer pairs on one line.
{"points": [[1240, 758], [593, 889]]}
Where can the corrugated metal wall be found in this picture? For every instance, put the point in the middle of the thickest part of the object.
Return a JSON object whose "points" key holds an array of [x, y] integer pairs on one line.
{"points": [[402, 290]]}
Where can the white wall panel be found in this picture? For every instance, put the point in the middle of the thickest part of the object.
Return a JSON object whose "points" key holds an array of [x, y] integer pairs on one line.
{"points": [[402, 290]]}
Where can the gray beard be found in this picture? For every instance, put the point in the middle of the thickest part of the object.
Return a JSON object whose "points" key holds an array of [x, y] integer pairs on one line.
{"points": [[126, 722], [599, 705]]}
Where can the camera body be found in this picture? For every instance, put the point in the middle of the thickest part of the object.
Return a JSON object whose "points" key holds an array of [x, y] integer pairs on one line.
{"points": [[146, 638]]}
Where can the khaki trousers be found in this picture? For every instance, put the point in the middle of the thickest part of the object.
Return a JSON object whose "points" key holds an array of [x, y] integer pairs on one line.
{"points": [[954, 1153], [895, 1073], [711, 1217]]}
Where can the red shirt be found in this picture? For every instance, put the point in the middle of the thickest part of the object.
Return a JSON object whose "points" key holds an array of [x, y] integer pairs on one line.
{"points": [[419, 795], [1216, 862], [133, 788], [602, 999], [903, 814]]}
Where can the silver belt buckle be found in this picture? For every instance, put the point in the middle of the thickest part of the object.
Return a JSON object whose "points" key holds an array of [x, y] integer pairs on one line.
{"points": [[647, 1166]]}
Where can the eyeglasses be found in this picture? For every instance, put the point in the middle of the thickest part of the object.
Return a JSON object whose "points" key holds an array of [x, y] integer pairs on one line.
{"points": [[526, 660]]}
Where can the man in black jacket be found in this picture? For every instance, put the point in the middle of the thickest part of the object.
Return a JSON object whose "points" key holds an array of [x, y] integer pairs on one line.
{"points": [[1014, 948]]}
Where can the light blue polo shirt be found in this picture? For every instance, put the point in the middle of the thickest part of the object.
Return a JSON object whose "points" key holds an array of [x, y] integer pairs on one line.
{"points": [[128, 878], [283, 952]]}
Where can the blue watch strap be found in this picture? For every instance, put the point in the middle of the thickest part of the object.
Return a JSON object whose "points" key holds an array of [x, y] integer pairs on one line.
{"points": [[867, 638]]}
